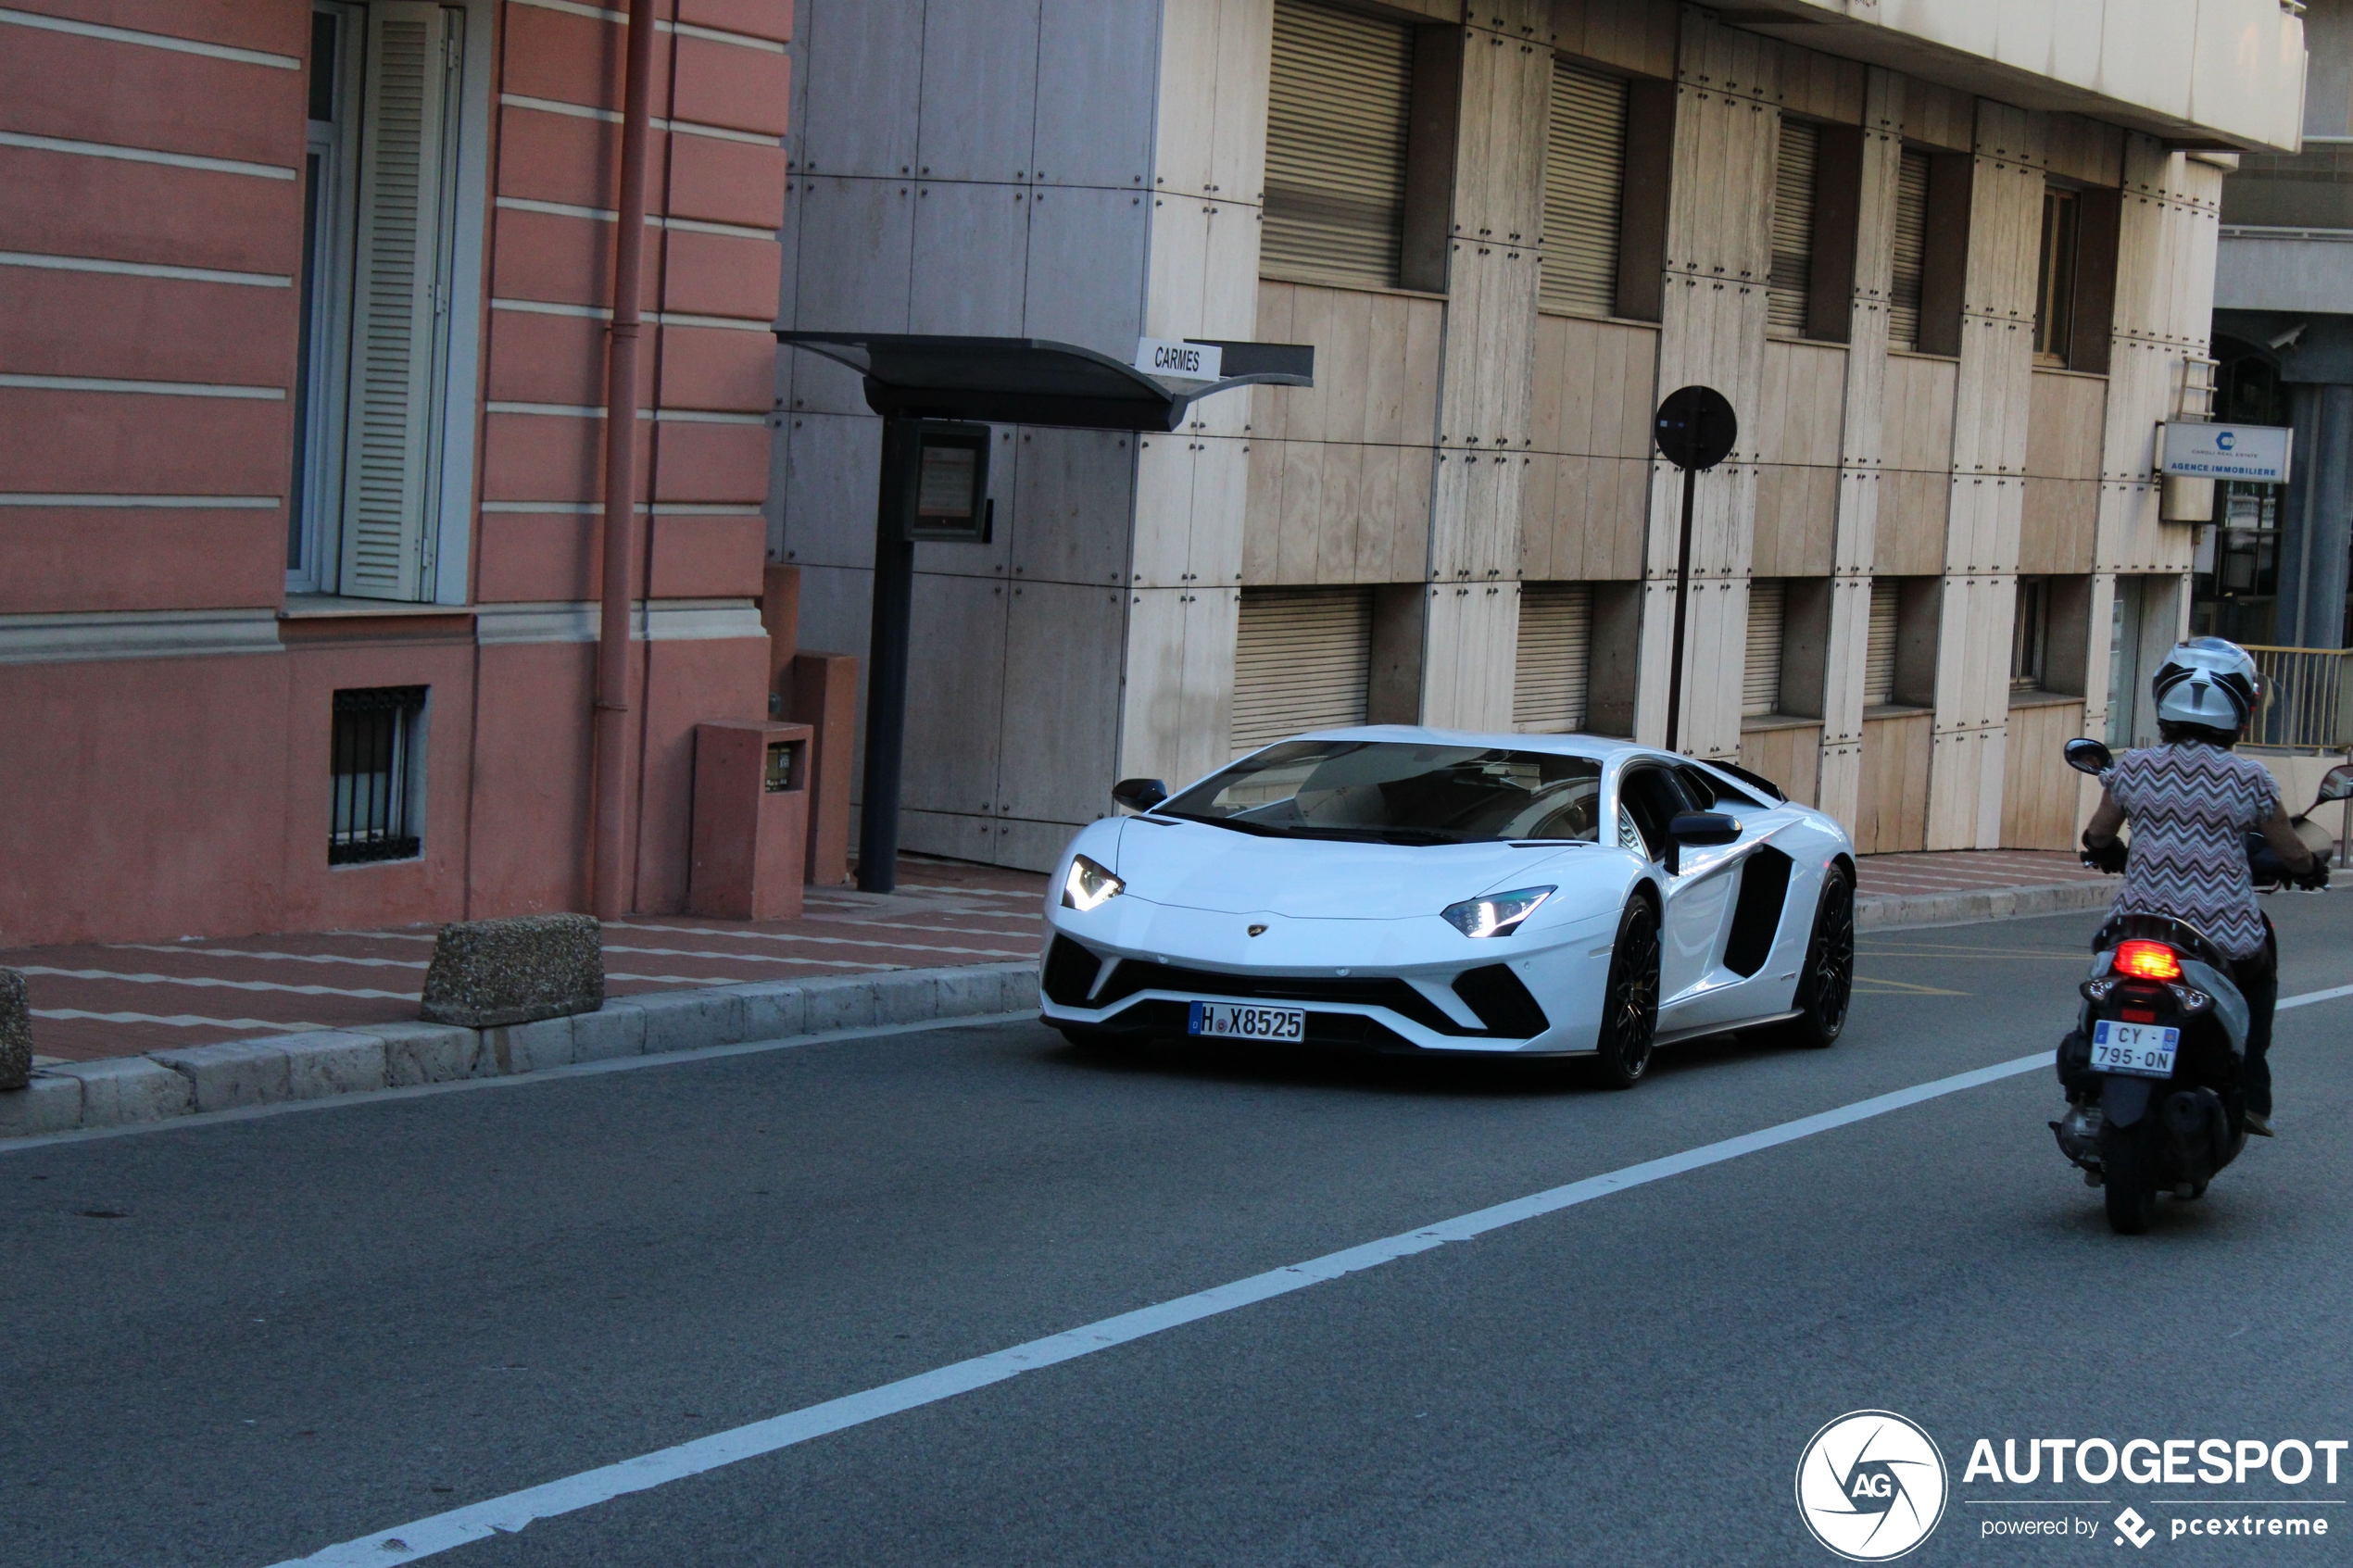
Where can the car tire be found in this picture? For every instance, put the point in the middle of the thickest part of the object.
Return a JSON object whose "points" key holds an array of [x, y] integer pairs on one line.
{"points": [[1826, 985], [1630, 1001]]}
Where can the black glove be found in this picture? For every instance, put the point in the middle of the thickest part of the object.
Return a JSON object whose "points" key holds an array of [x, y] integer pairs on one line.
{"points": [[2315, 876], [2109, 856]]}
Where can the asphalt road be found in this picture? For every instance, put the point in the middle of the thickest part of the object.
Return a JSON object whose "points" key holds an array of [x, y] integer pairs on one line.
{"points": [[240, 1342]]}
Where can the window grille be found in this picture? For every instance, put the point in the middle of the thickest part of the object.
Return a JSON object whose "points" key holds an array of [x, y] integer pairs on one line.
{"points": [[1879, 652], [1910, 252], [1555, 653], [1787, 296], [375, 775], [1302, 660], [1584, 181], [1761, 678]]}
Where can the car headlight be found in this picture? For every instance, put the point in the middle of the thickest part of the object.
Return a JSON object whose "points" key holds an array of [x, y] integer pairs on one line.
{"points": [[1089, 886], [1496, 916]]}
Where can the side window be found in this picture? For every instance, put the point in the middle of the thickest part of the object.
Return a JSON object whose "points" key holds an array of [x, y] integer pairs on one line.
{"points": [[1648, 798]]}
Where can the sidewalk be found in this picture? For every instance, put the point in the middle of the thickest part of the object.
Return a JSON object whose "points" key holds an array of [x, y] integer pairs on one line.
{"points": [[116, 999], [123, 998]]}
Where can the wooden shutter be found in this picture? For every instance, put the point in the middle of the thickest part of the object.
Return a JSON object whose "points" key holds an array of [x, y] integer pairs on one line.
{"points": [[1338, 98], [400, 300], [1761, 681], [1793, 278], [1584, 183], [1302, 660], [1556, 652], [1879, 653], [1911, 252]]}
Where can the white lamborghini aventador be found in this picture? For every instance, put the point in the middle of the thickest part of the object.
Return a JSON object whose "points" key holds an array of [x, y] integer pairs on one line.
{"points": [[1402, 890]]}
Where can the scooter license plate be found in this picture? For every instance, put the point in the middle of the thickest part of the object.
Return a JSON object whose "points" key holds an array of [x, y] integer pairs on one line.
{"points": [[2144, 1050], [1230, 1022]]}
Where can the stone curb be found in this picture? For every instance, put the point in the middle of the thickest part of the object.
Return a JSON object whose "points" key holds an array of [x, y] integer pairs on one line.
{"points": [[1880, 912], [121, 1091]]}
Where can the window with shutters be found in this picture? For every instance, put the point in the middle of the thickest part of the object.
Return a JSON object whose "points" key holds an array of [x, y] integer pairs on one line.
{"points": [[1879, 653], [1338, 105], [2031, 634], [1911, 249], [1556, 654], [1584, 186], [2055, 290], [1302, 660], [1792, 282], [1761, 677], [380, 221]]}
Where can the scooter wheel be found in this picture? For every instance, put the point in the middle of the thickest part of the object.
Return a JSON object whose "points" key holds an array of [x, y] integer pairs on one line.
{"points": [[2130, 1184]]}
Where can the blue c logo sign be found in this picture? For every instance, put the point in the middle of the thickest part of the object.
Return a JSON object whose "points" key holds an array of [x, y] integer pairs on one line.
{"points": [[2225, 441]]}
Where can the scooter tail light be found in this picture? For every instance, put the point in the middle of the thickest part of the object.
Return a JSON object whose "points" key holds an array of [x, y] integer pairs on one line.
{"points": [[2147, 960]]}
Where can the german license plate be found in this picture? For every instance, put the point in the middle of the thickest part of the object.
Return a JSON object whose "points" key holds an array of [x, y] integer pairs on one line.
{"points": [[2144, 1050], [1233, 1020]]}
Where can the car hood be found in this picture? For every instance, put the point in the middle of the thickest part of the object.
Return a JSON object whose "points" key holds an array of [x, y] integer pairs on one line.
{"points": [[1196, 866]]}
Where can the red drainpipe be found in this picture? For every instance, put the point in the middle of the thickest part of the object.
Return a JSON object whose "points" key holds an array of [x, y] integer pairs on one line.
{"points": [[610, 879]]}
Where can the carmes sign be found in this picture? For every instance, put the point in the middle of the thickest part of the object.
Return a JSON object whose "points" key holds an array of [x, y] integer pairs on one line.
{"points": [[1184, 361], [2257, 453]]}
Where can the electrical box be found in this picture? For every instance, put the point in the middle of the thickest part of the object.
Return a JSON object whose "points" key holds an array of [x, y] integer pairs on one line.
{"points": [[750, 819]]}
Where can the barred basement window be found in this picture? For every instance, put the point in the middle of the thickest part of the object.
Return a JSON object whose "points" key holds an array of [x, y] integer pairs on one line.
{"points": [[378, 770]]}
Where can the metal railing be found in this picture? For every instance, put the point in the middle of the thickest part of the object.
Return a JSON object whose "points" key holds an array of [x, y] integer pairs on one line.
{"points": [[2306, 701]]}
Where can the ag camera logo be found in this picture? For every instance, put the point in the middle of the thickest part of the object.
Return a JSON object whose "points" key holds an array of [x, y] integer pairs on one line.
{"points": [[1871, 1486]]}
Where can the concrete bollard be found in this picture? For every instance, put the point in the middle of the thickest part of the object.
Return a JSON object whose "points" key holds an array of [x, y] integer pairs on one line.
{"points": [[487, 974], [16, 1032]]}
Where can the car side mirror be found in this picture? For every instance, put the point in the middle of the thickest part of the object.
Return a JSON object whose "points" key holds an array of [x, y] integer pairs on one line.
{"points": [[2337, 783], [2088, 755], [1139, 795], [1701, 830]]}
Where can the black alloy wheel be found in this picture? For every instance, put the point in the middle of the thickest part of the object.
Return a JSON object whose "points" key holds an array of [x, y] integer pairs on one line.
{"points": [[1630, 1002], [2127, 1172], [1827, 983]]}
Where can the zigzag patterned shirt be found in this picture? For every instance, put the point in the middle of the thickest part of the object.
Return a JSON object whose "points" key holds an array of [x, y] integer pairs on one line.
{"points": [[2191, 806]]}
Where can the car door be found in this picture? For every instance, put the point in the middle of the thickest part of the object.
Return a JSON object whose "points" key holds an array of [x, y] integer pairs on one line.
{"points": [[1699, 880]]}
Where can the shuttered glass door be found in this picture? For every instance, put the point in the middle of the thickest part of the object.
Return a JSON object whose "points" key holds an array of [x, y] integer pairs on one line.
{"points": [[1785, 301], [1556, 652], [1338, 106], [1584, 183], [1911, 252], [404, 265], [1879, 655], [1302, 660], [1761, 681]]}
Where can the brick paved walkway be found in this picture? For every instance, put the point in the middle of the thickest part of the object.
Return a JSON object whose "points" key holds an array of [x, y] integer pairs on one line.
{"points": [[104, 999]]}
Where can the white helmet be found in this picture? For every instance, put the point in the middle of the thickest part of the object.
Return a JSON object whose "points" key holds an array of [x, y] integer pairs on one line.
{"points": [[2209, 682]]}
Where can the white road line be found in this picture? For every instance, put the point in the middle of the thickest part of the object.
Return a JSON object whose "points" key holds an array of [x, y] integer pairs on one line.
{"points": [[2309, 997], [273, 958], [179, 1020], [230, 984], [505, 1515]]}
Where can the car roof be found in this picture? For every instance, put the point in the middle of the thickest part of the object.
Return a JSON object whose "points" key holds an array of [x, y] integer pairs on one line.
{"points": [[1601, 747]]}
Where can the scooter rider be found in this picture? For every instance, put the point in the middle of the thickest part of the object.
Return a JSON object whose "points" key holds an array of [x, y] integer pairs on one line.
{"points": [[2191, 803]]}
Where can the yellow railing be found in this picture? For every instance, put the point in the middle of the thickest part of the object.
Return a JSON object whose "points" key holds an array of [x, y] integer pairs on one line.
{"points": [[2306, 703]]}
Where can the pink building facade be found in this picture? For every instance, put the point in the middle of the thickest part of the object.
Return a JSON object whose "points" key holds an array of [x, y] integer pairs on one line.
{"points": [[304, 313]]}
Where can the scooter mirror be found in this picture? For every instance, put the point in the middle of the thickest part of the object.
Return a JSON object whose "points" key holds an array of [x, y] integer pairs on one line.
{"points": [[2337, 783], [2088, 755]]}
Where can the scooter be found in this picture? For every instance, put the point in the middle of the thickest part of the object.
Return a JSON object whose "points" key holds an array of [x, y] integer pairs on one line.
{"points": [[2152, 1069]]}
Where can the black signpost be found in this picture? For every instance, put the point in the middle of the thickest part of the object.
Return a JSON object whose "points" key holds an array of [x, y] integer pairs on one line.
{"points": [[935, 394], [1697, 429]]}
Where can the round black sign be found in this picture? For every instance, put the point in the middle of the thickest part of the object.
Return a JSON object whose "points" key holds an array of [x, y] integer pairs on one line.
{"points": [[1696, 428]]}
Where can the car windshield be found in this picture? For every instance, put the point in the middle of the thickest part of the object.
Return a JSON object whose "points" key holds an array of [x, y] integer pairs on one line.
{"points": [[1399, 792]]}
